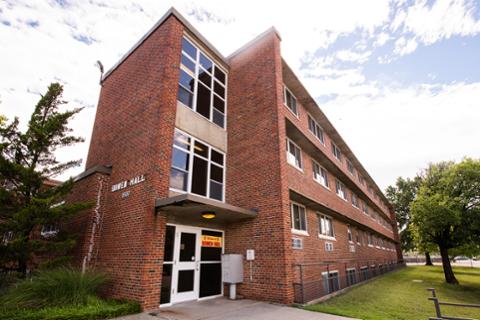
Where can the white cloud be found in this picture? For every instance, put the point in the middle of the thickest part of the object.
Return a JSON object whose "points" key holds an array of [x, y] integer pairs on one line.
{"points": [[404, 46], [351, 56]]}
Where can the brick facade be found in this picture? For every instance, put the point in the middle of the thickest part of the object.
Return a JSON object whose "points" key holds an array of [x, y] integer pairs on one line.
{"points": [[133, 135]]}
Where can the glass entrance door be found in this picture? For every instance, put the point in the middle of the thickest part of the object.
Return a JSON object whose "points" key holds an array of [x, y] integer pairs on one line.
{"points": [[186, 264]]}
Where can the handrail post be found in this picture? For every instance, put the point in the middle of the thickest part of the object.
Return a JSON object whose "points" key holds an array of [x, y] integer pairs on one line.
{"points": [[435, 302]]}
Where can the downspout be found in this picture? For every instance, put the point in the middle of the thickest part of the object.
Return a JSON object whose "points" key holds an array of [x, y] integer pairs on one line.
{"points": [[95, 222]]}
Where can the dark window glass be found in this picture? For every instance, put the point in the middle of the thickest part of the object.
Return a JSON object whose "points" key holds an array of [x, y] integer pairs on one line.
{"points": [[211, 253], [185, 280], [201, 149], [217, 157], [186, 80], [184, 96], [218, 118], [219, 75], [216, 190], [178, 179], [219, 104], [189, 48], [199, 176], [169, 241], [205, 62], [203, 101], [210, 279], [180, 159], [166, 284], [205, 78], [216, 173], [188, 63], [187, 246], [219, 89]]}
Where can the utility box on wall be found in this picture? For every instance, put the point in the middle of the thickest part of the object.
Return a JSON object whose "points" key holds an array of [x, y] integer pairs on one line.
{"points": [[232, 268]]}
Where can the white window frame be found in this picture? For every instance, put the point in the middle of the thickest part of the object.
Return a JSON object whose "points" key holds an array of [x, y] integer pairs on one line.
{"points": [[329, 246], [49, 230], [321, 235], [191, 154], [357, 205], [285, 102], [7, 237], [297, 241], [290, 155], [294, 230], [365, 209], [317, 130], [337, 153], [196, 80], [369, 239], [322, 173], [339, 186], [350, 165], [349, 234]]}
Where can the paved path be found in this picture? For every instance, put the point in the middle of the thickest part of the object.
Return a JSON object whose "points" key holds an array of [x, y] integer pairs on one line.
{"points": [[222, 308]]}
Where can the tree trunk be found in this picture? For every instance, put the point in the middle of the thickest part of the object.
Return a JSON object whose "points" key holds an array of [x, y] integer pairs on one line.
{"points": [[428, 260], [447, 267]]}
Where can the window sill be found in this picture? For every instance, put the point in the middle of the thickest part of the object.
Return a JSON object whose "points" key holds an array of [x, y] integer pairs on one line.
{"points": [[295, 114], [321, 184], [324, 237], [298, 168], [342, 198], [300, 232], [358, 208]]}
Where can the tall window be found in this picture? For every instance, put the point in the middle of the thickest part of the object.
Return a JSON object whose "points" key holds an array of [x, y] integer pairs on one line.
{"points": [[369, 238], [294, 154], [299, 218], [365, 208], [196, 167], [341, 190], [349, 234], [315, 128], [49, 230], [202, 84], [320, 174], [355, 200], [325, 226], [336, 152], [350, 167], [290, 101], [361, 179]]}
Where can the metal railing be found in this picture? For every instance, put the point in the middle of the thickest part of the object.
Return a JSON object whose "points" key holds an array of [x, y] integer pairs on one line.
{"points": [[313, 281], [438, 303]]}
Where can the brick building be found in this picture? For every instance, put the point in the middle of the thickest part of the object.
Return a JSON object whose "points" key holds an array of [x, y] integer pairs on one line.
{"points": [[194, 155]]}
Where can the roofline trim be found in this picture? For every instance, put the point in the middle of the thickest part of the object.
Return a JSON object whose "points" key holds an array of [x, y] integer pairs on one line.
{"points": [[171, 12], [255, 40]]}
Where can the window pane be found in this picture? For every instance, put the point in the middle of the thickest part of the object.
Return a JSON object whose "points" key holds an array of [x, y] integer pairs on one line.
{"points": [[218, 118], [181, 140], [218, 103], [219, 75], [169, 241], [180, 159], [205, 77], [203, 101], [189, 48], [201, 149], [199, 176], [217, 157], [186, 80], [303, 223], [216, 190], [216, 173], [184, 96], [205, 62], [219, 89], [188, 63], [178, 179]]}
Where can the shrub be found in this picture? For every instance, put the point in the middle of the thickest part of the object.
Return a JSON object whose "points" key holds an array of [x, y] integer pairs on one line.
{"points": [[60, 287]]}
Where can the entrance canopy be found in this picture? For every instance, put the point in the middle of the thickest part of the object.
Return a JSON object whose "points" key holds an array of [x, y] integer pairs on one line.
{"points": [[192, 207]]}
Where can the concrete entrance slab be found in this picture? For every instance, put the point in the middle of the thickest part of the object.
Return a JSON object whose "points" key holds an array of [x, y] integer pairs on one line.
{"points": [[222, 308]]}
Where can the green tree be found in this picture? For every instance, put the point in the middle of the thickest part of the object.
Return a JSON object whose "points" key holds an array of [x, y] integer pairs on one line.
{"points": [[27, 160], [401, 195], [446, 211]]}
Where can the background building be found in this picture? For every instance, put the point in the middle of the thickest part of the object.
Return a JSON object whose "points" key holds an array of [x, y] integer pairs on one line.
{"points": [[183, 134]]}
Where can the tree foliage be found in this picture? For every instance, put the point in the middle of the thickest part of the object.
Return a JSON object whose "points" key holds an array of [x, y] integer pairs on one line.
{"points": [[446, 211], [27, 160]]}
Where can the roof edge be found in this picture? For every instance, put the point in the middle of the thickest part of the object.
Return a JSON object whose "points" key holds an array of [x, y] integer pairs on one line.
{"points": [[171, 12], [93, 170], [255, 40]]}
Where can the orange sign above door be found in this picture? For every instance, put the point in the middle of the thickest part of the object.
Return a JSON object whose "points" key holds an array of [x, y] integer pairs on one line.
{"points": [[211, 241]]}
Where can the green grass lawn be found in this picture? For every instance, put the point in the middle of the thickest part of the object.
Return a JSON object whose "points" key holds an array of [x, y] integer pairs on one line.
{"points": [[397, 296]]}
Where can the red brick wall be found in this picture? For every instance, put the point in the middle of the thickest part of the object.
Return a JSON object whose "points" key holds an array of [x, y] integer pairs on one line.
{"points": [[255, 170], [133, 133]]}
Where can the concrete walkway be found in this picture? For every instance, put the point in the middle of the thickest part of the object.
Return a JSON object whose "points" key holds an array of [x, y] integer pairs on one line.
{"points": [[222, 308]]}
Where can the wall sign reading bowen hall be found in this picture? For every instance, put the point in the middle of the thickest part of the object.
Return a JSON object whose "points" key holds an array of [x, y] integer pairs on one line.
{"points": [[126, 183]]}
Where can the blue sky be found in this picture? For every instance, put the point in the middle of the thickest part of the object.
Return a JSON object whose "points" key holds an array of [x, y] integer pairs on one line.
{"points": [[400, 80]]}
